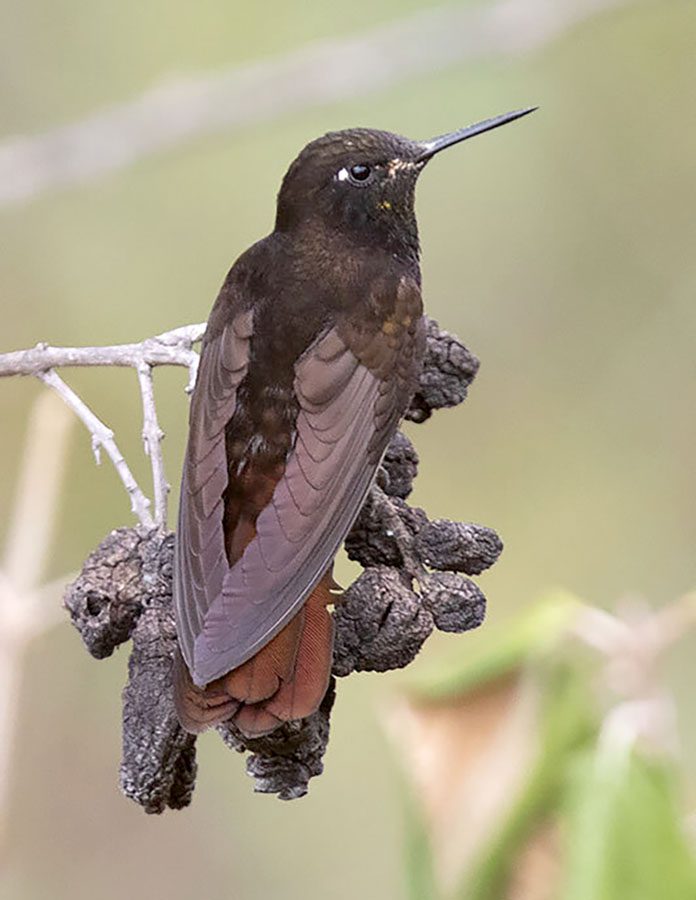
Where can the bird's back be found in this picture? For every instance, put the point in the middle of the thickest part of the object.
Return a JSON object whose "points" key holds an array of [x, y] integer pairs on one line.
{"points": [[305, 372]]}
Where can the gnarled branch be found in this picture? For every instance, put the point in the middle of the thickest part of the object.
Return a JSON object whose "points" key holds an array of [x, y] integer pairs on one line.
{"points": [[414, 581]]}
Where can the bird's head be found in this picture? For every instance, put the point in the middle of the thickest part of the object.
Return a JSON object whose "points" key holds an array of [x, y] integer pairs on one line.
{"points": [[361, 182]]}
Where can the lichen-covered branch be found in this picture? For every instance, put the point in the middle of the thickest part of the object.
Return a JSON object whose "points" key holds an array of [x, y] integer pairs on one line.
{"points": [[414, 581]]}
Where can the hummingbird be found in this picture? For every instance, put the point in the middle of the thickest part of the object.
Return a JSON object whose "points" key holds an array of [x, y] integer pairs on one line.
{"points": [[311, 355]]}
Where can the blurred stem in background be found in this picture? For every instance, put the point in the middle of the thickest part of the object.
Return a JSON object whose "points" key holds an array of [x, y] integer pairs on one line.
{"points": [[537, 775], [28, 608], [182, 110]]}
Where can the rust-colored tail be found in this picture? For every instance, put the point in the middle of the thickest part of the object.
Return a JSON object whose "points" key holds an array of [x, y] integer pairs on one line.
{"points": [[285, 680]]}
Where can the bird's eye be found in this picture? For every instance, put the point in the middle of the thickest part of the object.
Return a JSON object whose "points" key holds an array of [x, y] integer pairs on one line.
{"points": [[358, 175]]}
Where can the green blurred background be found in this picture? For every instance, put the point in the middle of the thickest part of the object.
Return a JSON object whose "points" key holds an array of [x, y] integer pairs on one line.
{"points": [[560, 249]]}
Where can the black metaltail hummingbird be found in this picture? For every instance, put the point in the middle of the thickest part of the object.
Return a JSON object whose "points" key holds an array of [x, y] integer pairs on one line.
{"points": [[311, 354]]}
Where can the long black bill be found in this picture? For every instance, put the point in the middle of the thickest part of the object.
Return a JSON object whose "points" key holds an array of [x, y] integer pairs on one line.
{"points": [[430, 148]]}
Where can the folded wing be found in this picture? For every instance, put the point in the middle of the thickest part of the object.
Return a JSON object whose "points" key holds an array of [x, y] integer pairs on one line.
{"points": [[352, 389]]}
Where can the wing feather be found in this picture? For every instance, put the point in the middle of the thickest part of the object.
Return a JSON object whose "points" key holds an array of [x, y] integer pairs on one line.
{"points": [[342, 430], [352, 387], [200, 560]]}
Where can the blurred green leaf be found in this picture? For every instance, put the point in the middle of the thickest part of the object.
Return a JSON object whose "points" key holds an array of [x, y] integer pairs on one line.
{"points": [[421, 882], [566, 723], [625, 839], [500, 651]]}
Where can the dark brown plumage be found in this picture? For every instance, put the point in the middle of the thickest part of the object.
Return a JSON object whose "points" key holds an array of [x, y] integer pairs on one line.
{"points": [[312, 352]]}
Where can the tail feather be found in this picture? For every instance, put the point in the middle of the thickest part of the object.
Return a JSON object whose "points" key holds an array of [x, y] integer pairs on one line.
{"points": [[301, 695], [261, 676], [199, 708], [285, 680], [255, 721]]}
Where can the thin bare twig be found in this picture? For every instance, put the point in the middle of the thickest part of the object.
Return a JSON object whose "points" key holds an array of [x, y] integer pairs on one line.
{"points": [[102, 437], [174, 348], [152, 440], [324, 72]]}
